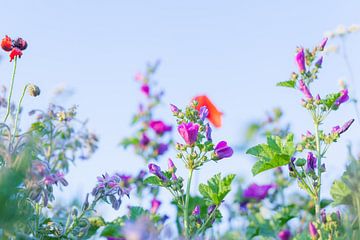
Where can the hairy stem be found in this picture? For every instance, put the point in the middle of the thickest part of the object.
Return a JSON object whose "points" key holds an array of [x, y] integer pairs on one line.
{"points": [[11, 90]]}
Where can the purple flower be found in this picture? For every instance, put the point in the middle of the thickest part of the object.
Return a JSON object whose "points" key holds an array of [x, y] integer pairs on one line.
{"points": [[222, 150], [174, 177], [161, 148], [284, 235], [318, 98], [323, 215], [156, 170], [171, 166], [189, 132], [208, 131], [304, 89], [203, 113], [145, 89], [196, 211], [346, 126], [343, 97], [257, 192], [312, 230], [174, 109], [300, 60], [144, 141], [155, 204], [141, 175], [323, 43], [335, 129], [159, 127], [318, 63], [211, 209], [291, 164], [311, 162]]}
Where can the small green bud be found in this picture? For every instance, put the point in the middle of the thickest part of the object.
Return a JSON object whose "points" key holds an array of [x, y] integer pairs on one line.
{"points": [[300, 162]]}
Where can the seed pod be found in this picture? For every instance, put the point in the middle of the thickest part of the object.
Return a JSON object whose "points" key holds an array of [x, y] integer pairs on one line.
{"points": [[33, 90]]}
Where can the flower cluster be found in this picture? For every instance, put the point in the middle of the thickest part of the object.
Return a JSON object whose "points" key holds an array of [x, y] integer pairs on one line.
{"points": [[15, 47]]}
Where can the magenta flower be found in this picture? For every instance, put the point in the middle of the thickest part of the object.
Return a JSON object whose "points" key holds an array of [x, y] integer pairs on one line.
{"points": [[155, 204], [189, 132], [139, 76], [222, 150], [344, 128], [323, 43], [312, 230], [304, 89], [300, 60], [171, 166], [257, 192], [156, 170], [343, 97], [145, 89], [159, 126], [284, 235], [311, 162], [174, 109], [196, 211], [144, 141]]}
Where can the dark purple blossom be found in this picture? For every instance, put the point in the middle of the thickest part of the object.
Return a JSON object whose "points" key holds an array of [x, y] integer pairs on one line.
{"points": [[211, 209], [196, 211], [189, 132], [300, 60], [311, 162], [159, 127], [318, 63], [222, 150], [156, 170], [344, 96], [284, 235], [144, 140], [208, 131], [161, 148], [292, 164], [257, 192], [305, 90]]}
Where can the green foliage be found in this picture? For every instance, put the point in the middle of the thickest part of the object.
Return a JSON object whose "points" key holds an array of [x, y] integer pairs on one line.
{"points": [[274, 153], [340, 193], [216, 188], [289, 84]]}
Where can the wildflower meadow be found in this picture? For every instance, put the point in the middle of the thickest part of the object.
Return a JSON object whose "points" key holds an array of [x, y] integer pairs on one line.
{"points": [[180, 173]]}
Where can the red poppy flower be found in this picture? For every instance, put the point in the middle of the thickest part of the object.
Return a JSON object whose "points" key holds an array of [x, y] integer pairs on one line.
{"points": [[6, 44], [15, 53], [214, 116]]}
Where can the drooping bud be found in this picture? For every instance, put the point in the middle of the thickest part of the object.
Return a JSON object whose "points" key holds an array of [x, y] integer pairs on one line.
{"points": [[208, 131], [312, 230], [156, 170], [34, 90], [305, 90], [222, 150], [21, 44], [343, 97], [6, 44], [15, 52]]}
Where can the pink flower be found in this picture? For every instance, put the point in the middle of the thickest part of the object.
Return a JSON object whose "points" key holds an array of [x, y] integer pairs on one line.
{"points": [[155, 204], [257, 192], [189, 132], [159, 127], [15, 52], [343, 97], [145, 89], [304, 89], [139, 76], [300, 60]]}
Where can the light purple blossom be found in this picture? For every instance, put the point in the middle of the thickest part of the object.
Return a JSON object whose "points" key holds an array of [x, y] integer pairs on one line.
{"points": [[343, 97], [189, 132], [319, 62], [305, 90], [196, 211], [156, 170], [284, 235], [311, 162], [323, 43], [222, 150], [312, 230], [203, 113], [300, 60], [174, 109], [257, 192], [159, 127]]}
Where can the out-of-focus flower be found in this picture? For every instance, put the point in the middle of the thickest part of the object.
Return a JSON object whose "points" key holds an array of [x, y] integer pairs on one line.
{"points": [[211, 209], [189, 132], [144, 140], [203, 113], [15, 52], [284, 235], [161, 148], [159, 127], [174, 109], [33, 90], [143, 228], [305, 90], [311, 162], [343, 97], [300, 60], [344, 128], [318, 63], [20, 44], [196, 211], [7, 44], [214, 116], [222, 150], [171, 166], [323, 43], [354, 28], [208, 131], [312, 230], [156, 170], [139, 76], [155, 204], [323, 215], [340, 30], [257, 192], [145, 89]]}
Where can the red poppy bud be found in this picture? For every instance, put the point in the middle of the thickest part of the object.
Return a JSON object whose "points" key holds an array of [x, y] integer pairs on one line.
{"points": [[20, 44], [15, 52], [6, 44]]}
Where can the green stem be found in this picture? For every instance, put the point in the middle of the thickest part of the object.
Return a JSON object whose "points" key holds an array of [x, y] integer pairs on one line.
{"points": [[18, 110], [318, 187], [202, 228], [186, 207], [37, 217], [11, 90]]}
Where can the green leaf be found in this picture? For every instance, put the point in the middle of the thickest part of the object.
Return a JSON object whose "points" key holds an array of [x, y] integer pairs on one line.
{"points": [[274, 153], [289, 84], [330, 100], [340, 193], [136, 212], [153, 180], [216, 188]]}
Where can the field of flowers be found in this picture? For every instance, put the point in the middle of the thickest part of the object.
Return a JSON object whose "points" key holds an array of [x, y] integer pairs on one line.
{"points": [[34, 163]]}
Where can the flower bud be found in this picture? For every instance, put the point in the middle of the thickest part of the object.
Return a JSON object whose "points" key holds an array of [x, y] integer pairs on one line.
{"points": [[20, 44], [6, 44], [34, 90]]}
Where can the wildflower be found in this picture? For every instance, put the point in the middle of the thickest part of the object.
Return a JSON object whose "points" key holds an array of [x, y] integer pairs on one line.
{"points": [[323, 215], [300, 59], [312, 230], [145, 89], [33, 90], [222, 150], [142, 228], [144, 140], [189, 132], [214, 115], [208, 131], [139, 76], [161, 148], [156, 170], [174, 177], [159, 126], [291, 164], [211, 209], [203, 113], [196, 211], [257, 192], [343, 97], [304, 89], [311, 162], [174, 109], [344, 128], [284, 235], [171, 166], [6, 44], [318, 63], [15, 52], [20, 44], [155, 204], [323, 43]]}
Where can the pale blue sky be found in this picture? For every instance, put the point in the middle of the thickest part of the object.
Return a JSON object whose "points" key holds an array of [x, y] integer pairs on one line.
{"points": [[234, 51]]}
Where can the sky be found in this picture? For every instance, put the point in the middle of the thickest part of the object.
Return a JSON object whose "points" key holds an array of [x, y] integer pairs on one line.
{"points": [[233, 51]]}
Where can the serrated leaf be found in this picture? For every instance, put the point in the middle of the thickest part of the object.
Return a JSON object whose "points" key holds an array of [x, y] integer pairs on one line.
{"points": [[340, 193], [289, 84], [216, 188], [153, 180], [136, 212]]}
